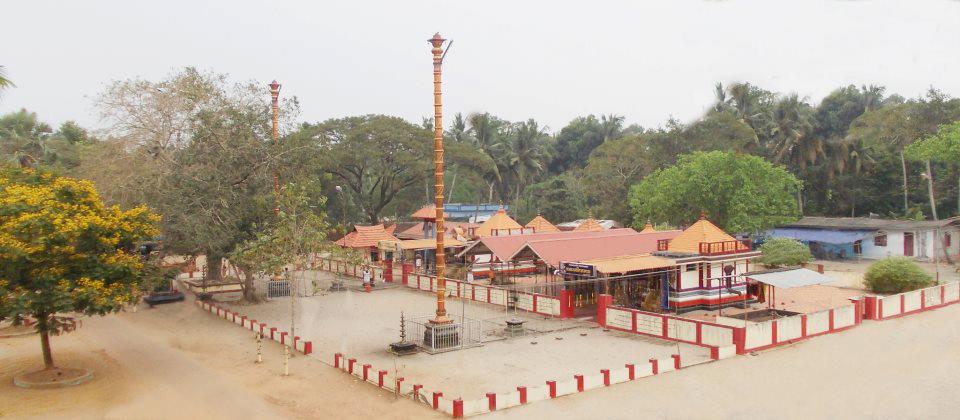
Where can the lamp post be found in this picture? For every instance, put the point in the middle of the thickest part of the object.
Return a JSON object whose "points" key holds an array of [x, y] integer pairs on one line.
{"points": [[275, 95], [437, 42]]}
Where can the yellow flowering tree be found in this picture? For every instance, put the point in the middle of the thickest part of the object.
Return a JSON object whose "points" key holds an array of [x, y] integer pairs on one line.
{"points": [[63, 251]]}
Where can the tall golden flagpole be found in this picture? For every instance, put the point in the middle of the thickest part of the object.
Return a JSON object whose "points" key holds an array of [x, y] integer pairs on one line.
{"points": [[437, 42]]}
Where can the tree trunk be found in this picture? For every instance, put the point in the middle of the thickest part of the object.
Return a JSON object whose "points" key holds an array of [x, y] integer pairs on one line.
{"points": [[933, 201], [43, 325], [249, 289], [214, 262], [490, 192], [800, 201], [903, 164]]}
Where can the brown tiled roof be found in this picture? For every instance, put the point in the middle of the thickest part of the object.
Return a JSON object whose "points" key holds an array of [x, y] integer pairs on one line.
{"points": [[365, 236], [499, 221], [648, 228], [541, 225], [589, 225], [428, 212], [701, 231]]}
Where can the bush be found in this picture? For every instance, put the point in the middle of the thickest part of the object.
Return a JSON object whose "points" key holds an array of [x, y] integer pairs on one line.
{"points": [[779, 252], [895, 275]]}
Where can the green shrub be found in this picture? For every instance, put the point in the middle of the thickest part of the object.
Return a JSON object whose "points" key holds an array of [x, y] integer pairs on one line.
{"points": [[779, 252], [895, 275]]}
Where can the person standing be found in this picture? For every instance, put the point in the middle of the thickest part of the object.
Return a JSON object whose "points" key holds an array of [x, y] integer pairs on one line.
{"points": [[366, 277]]}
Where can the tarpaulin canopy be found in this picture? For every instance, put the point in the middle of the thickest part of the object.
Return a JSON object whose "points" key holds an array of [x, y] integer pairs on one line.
{"points": [[790, 278], [822, 235]]}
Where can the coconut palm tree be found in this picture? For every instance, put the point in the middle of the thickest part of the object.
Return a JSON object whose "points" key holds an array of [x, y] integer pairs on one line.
{"points": [[791, 133], [526, 152], [458, 128], [5, 83], [486, 133]]}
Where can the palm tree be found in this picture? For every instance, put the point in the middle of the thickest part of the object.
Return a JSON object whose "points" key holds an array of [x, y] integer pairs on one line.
{"points": [[527, 152], [458, 128], [791, 133], [5, 83], [486, 133]]}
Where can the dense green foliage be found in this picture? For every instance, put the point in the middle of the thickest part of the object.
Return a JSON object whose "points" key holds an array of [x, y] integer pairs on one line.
{"points": [[740, 193], [199, 149], [944, 146], [780, 252], [895, 275]]}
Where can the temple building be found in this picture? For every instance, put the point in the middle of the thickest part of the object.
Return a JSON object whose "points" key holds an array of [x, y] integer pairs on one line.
{"points": [[500, 224], [367, 238], [541, 225]]}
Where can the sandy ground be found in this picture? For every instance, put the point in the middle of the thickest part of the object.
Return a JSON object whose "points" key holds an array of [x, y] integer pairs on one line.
{"points": [[170, 362], [902, 368], [361, 325], [850, 273]]}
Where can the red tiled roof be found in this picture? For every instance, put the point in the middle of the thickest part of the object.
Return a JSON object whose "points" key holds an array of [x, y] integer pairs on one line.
{"points": [[555, 250], [427, 212], [365, 236], [504, 247]]}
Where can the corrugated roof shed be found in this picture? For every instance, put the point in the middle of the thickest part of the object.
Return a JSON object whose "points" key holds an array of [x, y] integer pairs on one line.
{"points": [[860, 223]]}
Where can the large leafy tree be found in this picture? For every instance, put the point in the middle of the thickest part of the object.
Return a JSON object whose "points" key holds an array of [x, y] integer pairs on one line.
{"points": [[63, 251], [560, 199], [580, 137], [377, 158], [197, 148], [741, 193], [299, 233]]}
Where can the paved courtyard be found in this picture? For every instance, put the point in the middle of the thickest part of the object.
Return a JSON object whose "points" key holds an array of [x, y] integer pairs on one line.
{"points": [[361, 325]]}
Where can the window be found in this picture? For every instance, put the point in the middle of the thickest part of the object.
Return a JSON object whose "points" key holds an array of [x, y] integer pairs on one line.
{"points": [[663, 244], [858, 247], [691, 267], [880, 239]]}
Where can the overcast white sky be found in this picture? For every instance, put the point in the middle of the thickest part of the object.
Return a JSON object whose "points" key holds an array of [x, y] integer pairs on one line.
{"points": [[549, 60]]}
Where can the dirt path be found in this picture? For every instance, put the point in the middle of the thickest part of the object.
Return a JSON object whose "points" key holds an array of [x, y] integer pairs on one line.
{"points": [[168, 363]]}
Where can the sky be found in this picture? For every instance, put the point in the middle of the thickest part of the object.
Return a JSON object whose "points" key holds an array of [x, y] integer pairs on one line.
{"points": [[548, 60]]}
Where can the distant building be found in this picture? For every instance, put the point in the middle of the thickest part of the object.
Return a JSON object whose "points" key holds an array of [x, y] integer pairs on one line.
{"points": [[874, 238], [590, 223], [476, 213]]}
